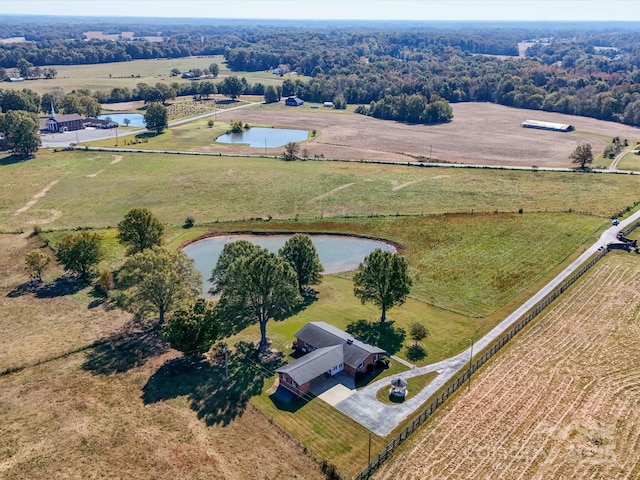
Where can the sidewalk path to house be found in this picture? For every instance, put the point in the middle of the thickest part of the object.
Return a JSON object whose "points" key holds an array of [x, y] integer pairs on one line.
{"points": [[381, 418]]}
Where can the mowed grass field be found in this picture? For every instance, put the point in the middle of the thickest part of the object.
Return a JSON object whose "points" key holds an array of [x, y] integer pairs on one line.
{"points": [[561, 400], [105, 76], [96, 189]]}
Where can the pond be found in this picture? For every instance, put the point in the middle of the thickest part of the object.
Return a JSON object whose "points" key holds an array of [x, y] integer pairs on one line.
{"points": [[137, 120], [337, 253], [260, 137]]}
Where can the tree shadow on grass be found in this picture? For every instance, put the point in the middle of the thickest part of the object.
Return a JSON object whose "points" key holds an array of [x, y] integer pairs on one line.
{"points": [[61, 286], [216, 400], [14, 158], [380, 334], [310, 296], [124, 350]]}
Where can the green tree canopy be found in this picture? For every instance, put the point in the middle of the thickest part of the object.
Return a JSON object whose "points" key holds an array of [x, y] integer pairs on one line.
{"points": [[418, 332], [257, 282], [158, 280], [582, 155], [36, 261], [301, 254], [156, 118], [382, 278], [192, 329], [271, 94], [232, 87], [139, 230], [80, 252], [21, 131], [214, 70]]}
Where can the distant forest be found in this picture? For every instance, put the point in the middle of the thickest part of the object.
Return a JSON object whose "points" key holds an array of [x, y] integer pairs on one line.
{"points": [[580, 69]]}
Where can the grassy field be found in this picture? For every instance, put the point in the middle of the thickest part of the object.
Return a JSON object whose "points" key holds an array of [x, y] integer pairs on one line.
{"points": [[630, 161], [224, 188], [105, 76], [559, 402]]}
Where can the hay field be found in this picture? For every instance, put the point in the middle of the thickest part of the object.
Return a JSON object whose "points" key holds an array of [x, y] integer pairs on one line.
{"points": [[560, 402], [105, 76], [480, 133]]}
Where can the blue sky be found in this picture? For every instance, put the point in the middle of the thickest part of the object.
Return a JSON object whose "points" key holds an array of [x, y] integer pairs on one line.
{"points": [[578, 10]]}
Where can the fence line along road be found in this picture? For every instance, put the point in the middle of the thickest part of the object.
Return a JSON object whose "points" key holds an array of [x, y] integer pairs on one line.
{"points": [[497, 338]]}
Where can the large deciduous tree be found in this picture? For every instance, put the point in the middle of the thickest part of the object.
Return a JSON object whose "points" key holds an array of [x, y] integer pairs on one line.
{"points": [[382, 278], [301, 254], [271, 94], [257, 282], [192, 329], [21, 131], [80, 252], [232, 87], [156, 118], [139, 230], [158, 280], [582, 155]]}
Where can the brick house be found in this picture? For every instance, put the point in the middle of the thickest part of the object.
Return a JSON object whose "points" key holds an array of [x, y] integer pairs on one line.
{"points": [[328, 351]]}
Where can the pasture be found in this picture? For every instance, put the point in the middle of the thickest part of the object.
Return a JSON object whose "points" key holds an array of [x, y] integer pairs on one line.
{"points": [[480, 133], [560, 401], [105, 76]]}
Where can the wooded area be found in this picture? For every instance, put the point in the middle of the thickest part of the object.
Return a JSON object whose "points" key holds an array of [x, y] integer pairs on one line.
{"points": [[590, 69]]}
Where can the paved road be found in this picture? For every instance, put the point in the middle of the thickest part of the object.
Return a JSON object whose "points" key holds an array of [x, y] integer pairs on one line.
{"points": [[63, 140], [381, 418]]}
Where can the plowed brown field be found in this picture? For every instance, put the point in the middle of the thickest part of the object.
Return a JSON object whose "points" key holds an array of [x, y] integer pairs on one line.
{"points": [[561, 401], [480, 133]]}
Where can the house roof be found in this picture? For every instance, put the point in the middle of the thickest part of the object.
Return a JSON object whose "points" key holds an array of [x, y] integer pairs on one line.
{"points": [[313, 364], [67, 118], [321, 334]]}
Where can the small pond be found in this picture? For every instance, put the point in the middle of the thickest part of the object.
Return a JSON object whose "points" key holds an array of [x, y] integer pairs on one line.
{"points": [[260, 137], [337, 253], [137, 120]]}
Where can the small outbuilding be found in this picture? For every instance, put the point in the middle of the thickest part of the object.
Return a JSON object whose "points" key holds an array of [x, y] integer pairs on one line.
{"points": [[293, 102], [328, 105]]}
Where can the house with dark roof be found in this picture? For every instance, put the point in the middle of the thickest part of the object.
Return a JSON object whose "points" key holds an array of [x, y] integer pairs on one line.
{"points": [[328, 351], [293, 102]]}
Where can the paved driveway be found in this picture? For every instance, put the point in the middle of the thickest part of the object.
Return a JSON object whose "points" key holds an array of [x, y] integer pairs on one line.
{"points": [[333, 389]]}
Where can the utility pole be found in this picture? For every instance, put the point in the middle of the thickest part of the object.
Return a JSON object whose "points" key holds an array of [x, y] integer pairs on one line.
{"points": [[470, 360]]}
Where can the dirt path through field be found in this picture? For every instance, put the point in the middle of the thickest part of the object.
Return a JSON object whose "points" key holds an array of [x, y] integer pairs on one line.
{"points": [[35, 199], [330, 192], [559, 402], [116, 159]]}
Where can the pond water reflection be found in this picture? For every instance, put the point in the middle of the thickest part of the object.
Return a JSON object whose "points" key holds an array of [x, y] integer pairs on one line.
{"points": [[260, 137], [338, 253]]}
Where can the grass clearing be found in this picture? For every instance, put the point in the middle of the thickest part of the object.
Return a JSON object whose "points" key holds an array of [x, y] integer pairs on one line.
{"points": [[105, 76], [631, 161], [224, 188]]}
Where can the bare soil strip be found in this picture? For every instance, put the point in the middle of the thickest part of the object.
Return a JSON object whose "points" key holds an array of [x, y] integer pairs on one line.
{"points": [[116, 159], [329, 193], [35, 198], [559, 402]]}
